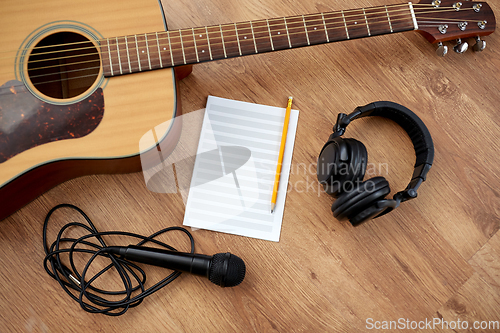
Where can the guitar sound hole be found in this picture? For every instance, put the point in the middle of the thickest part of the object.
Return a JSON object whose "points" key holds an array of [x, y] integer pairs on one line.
{"points": [[64, 65]]}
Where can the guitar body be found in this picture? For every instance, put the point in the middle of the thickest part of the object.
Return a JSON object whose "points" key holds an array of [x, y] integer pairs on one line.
{"points": [[91, 124]]}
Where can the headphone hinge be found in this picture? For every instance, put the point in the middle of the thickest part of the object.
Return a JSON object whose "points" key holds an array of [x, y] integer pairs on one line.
{"points": [[340, 125]]}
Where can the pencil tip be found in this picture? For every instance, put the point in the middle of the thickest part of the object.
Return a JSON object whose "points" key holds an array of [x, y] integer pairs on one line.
{"points": [[273, 205]]}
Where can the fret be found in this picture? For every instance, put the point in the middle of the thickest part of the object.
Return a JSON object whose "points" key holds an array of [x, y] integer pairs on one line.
{"points": [[297, 31], [253, 37], [170, 48], [413, 18], [315, 29], [247, 42], [110, 58], [208, 44], [118, 54], [216, 43], [270, 35], [237, 38], [345, 25], [115, 56], [377, 21], [154, 52], [138, 55], [305, 28], [230, 38], [200, 38], [287, 34], [128, 55], [132, 54], [195, 47], [262, 38], [278, 34], [336, 26], [159, 51], [388, 19], [182, 47], [106, 58], [356, 24], [366, 22], [176, 47], [143, 50], [401, 19], [147, 50], [164, 49], [324, 25], [222, 39], [188, 50]]}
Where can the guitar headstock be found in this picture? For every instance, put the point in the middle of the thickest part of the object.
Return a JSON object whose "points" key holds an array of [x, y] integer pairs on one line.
{"points": [[444, 20]]}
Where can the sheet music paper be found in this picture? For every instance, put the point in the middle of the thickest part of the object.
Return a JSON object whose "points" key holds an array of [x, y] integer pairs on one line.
{"points": [[235, 166]]}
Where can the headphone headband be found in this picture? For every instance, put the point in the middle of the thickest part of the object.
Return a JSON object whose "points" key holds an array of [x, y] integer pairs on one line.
{"points": [[413, 126]]}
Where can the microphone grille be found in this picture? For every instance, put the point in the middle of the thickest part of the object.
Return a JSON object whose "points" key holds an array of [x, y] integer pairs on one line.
{"points": [[227, 270]]}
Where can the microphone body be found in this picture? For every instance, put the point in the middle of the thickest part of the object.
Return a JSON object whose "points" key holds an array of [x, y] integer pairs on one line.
{"points": [[223, 269]]}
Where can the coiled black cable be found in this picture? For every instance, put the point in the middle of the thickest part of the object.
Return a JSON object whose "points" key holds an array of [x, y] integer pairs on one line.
{"points": [[75, 284]]}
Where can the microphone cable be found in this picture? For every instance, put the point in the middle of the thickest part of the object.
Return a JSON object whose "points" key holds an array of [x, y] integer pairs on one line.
{"points": [[79, 287]]}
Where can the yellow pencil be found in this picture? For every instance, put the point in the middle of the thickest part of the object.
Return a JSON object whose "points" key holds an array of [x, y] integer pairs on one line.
{"points": [[282, 150]]}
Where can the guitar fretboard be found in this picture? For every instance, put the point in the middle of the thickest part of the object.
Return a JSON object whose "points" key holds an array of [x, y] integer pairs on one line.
{"points": [[143, 52]]}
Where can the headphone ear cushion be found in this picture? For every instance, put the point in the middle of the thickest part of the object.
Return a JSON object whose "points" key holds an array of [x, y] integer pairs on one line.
{"points": [[333, 155], [341, 163], [356, 168], [364, 195], [367, 214]]}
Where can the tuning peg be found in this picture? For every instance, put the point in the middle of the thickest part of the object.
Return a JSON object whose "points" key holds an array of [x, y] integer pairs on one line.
{"points": [[480, 45], [461, 47], [441, 50]]}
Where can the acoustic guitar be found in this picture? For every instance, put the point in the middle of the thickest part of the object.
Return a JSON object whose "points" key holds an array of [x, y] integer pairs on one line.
{"points": [[69, 106]]}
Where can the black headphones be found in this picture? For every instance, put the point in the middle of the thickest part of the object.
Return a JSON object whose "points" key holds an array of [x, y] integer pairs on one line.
{"points": [[342, 165]]}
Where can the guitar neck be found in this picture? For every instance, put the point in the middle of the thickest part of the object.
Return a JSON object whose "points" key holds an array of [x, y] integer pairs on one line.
{"points": [[143, 52]]}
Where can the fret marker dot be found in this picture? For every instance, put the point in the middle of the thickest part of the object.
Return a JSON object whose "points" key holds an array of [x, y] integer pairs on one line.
{"points": [[315, 28], [202, 51], [164, 49], [200, 35], [245, 37], [279, 33], [142, 51], [355, 22]]}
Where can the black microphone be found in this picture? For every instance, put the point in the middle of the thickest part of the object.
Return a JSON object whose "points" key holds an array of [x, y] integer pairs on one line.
{"points": [[223, 269]]}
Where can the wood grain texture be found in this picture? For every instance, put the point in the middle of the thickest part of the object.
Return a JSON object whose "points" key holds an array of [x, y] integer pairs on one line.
{"points": [[430, 258]]}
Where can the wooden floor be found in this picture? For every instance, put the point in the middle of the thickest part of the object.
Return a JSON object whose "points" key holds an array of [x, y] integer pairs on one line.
{"points": [[434, 258]]}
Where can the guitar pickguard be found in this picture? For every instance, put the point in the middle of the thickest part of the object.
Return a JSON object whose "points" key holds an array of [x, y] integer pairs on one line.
{"points": [[27, 122]]}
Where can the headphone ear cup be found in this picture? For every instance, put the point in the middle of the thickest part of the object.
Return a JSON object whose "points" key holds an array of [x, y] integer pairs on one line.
{"points": [[333, 154], [353, 204], [356, 167], [367, 214], [341, 163]]}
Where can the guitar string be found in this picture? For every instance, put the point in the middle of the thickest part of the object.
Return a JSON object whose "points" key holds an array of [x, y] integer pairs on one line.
{"points": [[81, 55], [189, 30], [213, 44], [229, 48], [263, 21], [330, 26], [158, 55], [98, 67], [239, 31]]}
